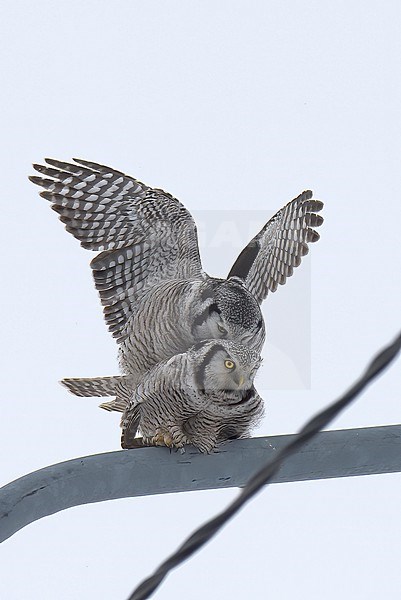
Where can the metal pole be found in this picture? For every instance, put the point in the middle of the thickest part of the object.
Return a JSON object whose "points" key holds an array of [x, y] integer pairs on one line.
{"points": [[145, 471]]}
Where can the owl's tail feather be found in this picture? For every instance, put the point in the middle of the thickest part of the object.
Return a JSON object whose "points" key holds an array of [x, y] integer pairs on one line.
{"points": [[119, 386], [119, 404], [92, 386]]}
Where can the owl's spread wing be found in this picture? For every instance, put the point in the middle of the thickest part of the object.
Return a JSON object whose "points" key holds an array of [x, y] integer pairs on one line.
{"points": [[144, 234], [270, 257]]}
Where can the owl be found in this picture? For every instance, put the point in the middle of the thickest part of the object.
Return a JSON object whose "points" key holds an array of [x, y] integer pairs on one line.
{"points": [[157, 300], [201, 397]]}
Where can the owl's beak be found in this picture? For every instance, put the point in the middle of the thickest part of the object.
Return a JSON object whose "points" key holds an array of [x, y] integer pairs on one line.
{"points": [[239, 380]]}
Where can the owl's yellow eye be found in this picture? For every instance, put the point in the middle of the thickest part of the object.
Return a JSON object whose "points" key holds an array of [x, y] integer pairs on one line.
{"points": [[229, 364], [222, 330]]}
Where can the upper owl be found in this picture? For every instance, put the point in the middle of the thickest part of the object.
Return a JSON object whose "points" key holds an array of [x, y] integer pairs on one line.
{"points": [[157, 299]]}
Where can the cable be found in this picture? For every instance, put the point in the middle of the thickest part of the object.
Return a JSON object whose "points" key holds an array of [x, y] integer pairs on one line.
{"points": [[263, 476]]}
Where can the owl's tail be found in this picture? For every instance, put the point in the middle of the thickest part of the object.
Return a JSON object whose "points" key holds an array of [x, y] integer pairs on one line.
{"points": [[118, 386], [92, 386]]}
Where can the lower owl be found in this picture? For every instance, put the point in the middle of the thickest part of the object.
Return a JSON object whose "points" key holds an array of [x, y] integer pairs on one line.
{"points": [[201, 397]]}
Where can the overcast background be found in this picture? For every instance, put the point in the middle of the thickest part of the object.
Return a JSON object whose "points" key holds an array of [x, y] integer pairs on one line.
{"points": [[229, 106]]}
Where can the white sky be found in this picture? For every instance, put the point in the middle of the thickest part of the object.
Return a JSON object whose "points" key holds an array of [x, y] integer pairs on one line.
{"points": [[228, 105]]}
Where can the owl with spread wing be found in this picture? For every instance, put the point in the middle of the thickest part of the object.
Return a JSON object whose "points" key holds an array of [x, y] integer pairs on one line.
{"points": [[157, 300]]}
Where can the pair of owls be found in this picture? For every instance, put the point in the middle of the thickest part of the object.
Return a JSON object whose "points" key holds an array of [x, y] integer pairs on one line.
{"points": [[189, 344]]}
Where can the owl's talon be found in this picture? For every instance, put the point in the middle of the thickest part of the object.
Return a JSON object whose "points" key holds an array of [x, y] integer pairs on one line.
{"points": [[168, 441], [163, 439]]}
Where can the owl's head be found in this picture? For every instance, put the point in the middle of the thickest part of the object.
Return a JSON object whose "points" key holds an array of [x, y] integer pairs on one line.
{"points": [[224, 365], [231, 314]]}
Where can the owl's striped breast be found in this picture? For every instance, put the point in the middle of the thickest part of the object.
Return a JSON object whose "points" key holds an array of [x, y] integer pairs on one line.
{"points": [[164, 398]]}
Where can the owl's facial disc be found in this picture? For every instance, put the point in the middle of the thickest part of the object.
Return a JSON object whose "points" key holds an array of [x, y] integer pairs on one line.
{"points": [[240, 375], [210, 325], [224, 366], [235, 377]]}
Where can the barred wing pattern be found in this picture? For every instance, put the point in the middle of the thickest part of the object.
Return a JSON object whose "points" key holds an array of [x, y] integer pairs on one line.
{"points": [[270, 257], [145, 235]]}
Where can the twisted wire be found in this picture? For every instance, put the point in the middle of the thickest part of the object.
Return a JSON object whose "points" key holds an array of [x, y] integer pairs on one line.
{"points": [[204, 533]]}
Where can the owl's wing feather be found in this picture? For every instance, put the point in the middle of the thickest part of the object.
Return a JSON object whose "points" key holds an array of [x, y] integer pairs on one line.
{"points": [[145, 235], [272, 254]]}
